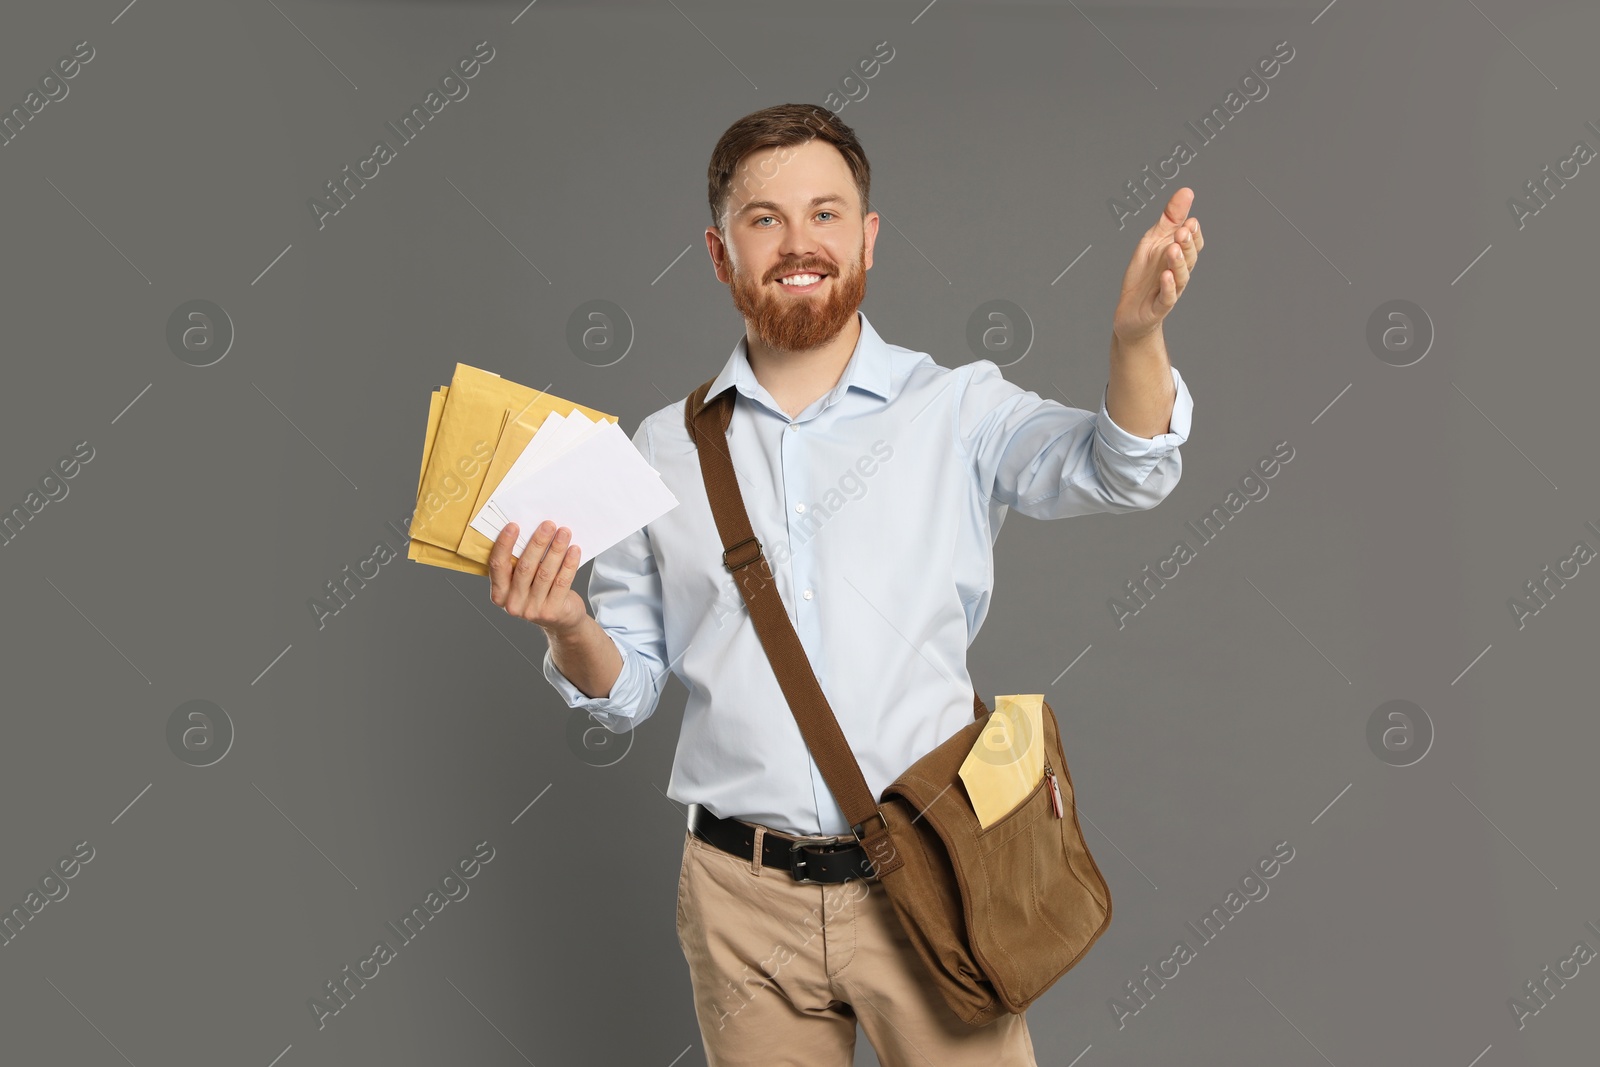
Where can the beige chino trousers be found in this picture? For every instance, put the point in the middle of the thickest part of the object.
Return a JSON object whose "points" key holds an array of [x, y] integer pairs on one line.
{"points": [[783, 970]]}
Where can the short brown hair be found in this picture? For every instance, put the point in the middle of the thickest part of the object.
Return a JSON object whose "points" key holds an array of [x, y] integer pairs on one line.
{"points": [[781, 126]]}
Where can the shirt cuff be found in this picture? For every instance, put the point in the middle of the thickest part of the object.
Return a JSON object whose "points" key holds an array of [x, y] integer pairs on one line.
{"points": [[613, 711], [1143, 453]]}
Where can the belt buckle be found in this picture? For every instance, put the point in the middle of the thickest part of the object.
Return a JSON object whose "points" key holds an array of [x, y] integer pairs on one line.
{"points": [[797, 863]]}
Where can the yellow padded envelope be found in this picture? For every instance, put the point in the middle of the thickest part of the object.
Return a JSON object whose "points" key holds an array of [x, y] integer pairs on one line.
{"points": [[514, 437], [477, 408], [418, 550], [1007, 760]]}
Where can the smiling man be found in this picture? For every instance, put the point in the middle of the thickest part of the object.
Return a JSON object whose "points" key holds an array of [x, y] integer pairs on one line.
{"points": [[789, 937]]}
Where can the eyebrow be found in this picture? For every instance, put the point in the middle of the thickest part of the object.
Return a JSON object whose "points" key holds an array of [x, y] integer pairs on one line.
{"points": [[768, 205]]}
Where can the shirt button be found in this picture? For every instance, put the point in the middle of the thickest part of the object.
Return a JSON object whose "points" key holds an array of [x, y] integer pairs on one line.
{"points": [[799, 507], [794, 426], [807, 594]]}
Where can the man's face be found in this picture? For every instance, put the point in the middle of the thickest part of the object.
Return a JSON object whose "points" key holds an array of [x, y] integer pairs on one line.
{"points": [[794, 211]]}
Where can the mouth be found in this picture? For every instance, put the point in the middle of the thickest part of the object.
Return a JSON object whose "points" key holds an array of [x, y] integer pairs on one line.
{"points": [[802, 281]]}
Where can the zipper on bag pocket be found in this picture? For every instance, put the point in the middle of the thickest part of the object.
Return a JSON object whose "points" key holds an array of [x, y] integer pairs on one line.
{"points": [[1055, 793]]}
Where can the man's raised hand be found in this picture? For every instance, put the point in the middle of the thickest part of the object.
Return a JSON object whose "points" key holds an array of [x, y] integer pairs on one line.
{"points": [[1159, 270]]}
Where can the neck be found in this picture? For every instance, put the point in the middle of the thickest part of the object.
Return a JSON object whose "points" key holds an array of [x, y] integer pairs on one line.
{"points": [[796, 379]]}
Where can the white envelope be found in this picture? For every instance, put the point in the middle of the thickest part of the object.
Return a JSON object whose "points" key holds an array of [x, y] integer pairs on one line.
{"points": [[586, 476]]}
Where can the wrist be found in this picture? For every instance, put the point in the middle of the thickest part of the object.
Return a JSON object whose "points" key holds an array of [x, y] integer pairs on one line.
{"points": [[566, 634], [1128, 338]]}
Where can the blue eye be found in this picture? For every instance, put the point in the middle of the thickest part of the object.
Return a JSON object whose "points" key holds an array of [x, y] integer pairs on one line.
{"points": [[763, 218]]}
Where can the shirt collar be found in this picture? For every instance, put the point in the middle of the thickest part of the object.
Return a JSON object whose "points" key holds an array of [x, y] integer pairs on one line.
{"points": [[868, 368]]}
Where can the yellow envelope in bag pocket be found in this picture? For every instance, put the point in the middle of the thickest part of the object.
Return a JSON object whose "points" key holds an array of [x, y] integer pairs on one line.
{"points": [[1007, 760]]}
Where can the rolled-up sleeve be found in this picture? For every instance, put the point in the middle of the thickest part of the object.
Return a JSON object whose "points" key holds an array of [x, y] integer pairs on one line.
{"points": [[625, 599], [1049, 461]]}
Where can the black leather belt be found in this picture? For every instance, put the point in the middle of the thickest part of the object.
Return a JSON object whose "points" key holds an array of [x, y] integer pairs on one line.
{"points": [[803, 860]]}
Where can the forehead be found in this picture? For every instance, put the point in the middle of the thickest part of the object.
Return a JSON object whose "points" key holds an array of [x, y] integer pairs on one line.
{"points": [[791, 176]]}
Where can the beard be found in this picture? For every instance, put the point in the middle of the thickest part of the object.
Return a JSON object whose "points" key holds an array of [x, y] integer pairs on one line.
{"points": [[792, 322]]}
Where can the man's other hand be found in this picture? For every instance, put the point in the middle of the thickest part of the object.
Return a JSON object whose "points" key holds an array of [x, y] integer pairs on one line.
{"points": [[537, 587]]}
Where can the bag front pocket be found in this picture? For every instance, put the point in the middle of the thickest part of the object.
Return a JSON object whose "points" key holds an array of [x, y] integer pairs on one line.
{"points": [[993, 835]]}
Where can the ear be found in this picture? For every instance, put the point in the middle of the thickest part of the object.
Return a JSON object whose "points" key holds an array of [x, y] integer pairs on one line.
{"points": [[871, 223], [718, 250]]}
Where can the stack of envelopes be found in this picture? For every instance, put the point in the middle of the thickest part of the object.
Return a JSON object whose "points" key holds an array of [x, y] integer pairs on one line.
{"points": [[499, 452]]}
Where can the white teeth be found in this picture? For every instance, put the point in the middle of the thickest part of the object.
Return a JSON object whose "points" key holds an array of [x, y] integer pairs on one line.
{"points": [[801, 279]]}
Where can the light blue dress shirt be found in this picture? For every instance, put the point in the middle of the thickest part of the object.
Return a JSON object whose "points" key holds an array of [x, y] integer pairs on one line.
{"points": [[877, 508]]}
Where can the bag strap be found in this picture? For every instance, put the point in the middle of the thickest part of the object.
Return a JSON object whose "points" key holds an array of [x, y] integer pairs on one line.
{"points": [[708, 424]]}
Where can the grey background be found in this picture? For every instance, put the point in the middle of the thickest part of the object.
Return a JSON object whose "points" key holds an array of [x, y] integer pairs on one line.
{"points": [[1228, 715]]}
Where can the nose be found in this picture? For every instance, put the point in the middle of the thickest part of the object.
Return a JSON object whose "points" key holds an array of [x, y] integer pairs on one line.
{"points": [[797, 244]]}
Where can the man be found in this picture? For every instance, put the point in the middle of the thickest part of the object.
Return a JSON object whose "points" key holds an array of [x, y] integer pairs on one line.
{"points": [[876, 481]]}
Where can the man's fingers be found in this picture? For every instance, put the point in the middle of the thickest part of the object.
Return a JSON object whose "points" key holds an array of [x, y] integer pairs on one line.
{"points": [[522, 586], [531, 577], [532, 553], [552, 562], [1177, 208], [569, 567], [1188, 239], [500, 562]]}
